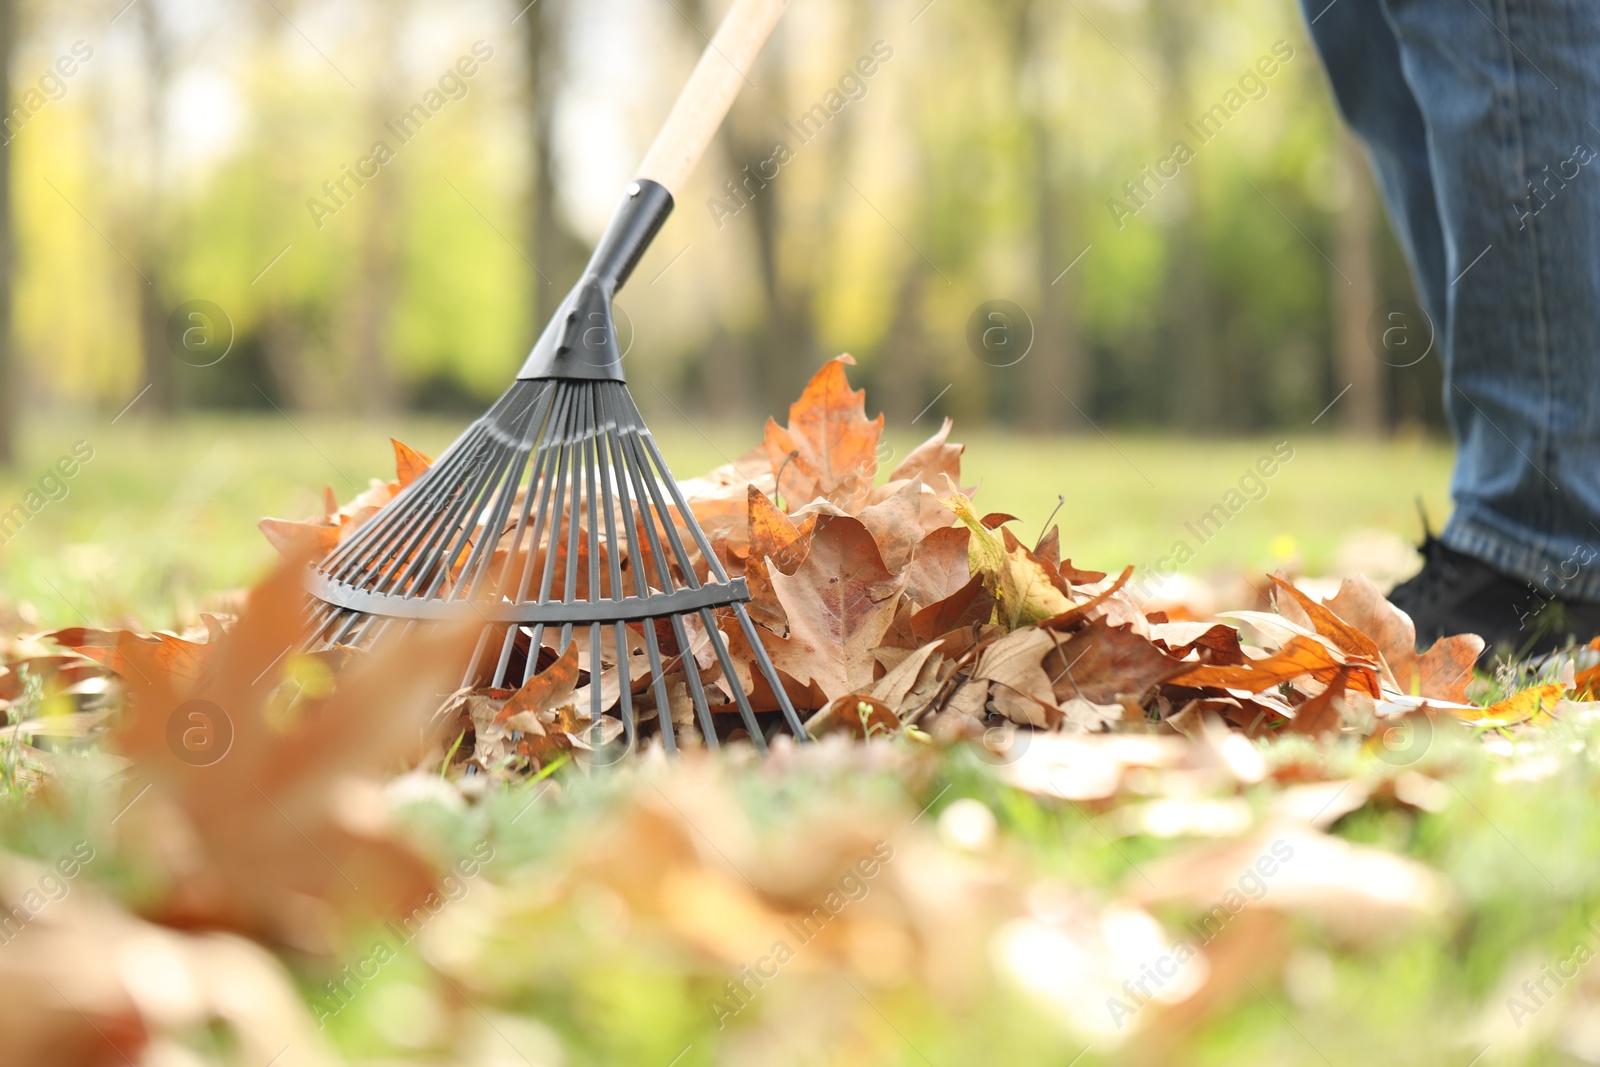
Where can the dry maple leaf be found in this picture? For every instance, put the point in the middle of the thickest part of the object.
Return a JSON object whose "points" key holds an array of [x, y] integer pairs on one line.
{"points": [[840, 603], [274, 828], [1102, 662], [409, 464], [1441, 673], [775, 541], [830, 448], [146, 657], [932, 460], [1300, 657]]}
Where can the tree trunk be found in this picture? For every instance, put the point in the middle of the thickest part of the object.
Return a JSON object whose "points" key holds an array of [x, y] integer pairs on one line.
{"points": [[1353, 302], [1188, 356], [150, 239], [1057, 363], [784, 350], [557, 251]]}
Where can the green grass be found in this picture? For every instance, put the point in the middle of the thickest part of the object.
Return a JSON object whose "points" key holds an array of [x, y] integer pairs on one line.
{"points": [[613, 985], [162, 519]]}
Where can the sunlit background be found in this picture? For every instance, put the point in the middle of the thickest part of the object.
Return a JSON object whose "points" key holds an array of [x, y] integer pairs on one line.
{"points": [[197, 159]]}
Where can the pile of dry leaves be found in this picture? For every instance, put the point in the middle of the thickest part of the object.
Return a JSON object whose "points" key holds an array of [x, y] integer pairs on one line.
{"points": [[892, 605]]}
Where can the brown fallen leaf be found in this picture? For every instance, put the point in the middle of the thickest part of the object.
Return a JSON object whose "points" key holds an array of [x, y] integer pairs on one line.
{"points": [[409, 464], [273, 828], [895, 524], [775, 540], [85, 984], [1350, 640], [933, 460], [840, 603], [1016, 663], [1319, 716], [1442, 673], [939, 566], [1102, 662], [1300, 657], [830, 448], [549, 688], [147, 658]]}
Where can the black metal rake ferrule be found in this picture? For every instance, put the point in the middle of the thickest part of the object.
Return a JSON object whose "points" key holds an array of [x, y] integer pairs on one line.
{"points": [[580, 342]]}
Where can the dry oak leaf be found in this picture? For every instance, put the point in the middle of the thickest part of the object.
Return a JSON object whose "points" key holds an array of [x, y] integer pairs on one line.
{"points": [[1532, 704], [830, 448], [277, 831], [1441, 673], [1320, 715], [840, 602]]}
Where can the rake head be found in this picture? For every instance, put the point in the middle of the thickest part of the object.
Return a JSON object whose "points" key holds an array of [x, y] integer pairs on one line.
{"points": [[555, 522]]}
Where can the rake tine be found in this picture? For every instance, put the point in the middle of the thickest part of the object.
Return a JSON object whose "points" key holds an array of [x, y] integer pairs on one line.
{"points": [[625, 694], [388, 535], [578, 459], [697, 692], [538, 432], [659, 683], [465, 522], [482, 560], [362, 540], [549, 447], [726, 662], [770, 673], [663, 515]]}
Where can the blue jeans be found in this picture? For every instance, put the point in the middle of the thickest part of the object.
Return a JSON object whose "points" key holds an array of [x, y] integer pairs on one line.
{"points": [[1480, 118]]}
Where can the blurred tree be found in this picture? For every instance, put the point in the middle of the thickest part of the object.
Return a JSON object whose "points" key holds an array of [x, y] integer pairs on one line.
{"points": [[152, 251], [558, 253], [1188, 356], [9, 373], [786, 338], [369, 309], [1058, 364], [1355, 296]]}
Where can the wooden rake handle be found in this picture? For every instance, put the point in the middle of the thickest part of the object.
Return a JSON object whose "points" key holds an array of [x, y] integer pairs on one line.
{"points": [[722, 71]]}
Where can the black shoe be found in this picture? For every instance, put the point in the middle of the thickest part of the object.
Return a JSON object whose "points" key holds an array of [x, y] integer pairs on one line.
{"points": [[1457, 594]]}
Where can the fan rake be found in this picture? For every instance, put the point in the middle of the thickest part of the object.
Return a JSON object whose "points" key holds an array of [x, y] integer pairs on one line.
{"points": [[554, 520]]}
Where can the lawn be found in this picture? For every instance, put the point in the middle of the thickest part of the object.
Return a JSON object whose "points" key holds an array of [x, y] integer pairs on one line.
{"points": [[162, 518], [1128, 898]]}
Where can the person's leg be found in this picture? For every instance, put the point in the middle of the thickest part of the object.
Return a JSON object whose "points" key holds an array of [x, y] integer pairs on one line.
{"points": [[1507, 89], [1361, 54]]}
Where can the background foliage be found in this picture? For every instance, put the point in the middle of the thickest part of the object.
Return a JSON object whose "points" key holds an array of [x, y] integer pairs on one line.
{"points": [[975, 164]]}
